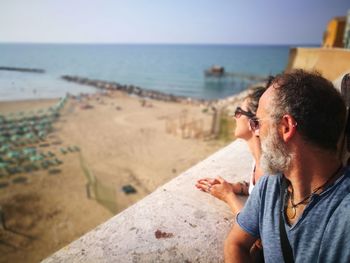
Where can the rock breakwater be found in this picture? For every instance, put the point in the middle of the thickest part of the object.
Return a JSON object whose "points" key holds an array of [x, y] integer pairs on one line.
{"points": [[31, 70], [131, 89]]}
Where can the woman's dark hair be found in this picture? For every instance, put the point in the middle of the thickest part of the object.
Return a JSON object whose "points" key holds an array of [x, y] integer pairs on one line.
{"points": [[255, 94], [315, 104]]}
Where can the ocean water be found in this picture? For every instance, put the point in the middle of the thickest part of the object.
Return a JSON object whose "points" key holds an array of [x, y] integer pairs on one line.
{"points": [[175, 69]]}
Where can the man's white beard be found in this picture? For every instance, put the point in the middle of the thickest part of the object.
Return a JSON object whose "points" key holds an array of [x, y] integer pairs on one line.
{"points": [[274, 157]]}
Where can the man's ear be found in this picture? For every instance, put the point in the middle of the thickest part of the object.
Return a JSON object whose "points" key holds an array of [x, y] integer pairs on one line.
{"points": [[288, 127]]}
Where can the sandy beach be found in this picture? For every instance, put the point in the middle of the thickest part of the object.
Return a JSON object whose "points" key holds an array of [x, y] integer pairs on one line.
{"points": [[102, 143]]}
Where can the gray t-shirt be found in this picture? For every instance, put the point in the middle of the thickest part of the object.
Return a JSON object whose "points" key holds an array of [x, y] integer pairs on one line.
{"points": [[322, 232]]}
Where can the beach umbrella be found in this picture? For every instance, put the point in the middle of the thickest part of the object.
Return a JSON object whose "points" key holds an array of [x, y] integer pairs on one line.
{"points": [[5, 147], [57, 161], [63, 150], [11, 170], [70, 149], [45, 164], [3, 165], [36, 158], [15, 137], [41, 133], [29, 151], [26, 129], [50, 154], [28, 168], [76, 148], [13, 154]]}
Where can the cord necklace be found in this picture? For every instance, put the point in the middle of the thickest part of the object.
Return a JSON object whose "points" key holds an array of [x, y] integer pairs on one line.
{"points": [[291, 210]]}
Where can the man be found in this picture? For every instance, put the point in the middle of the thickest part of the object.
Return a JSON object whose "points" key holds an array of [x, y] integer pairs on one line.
{"points": [[300, 119]]}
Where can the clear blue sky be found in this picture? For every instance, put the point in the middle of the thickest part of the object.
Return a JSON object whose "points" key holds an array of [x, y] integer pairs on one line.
{"points": [[168, 21]]}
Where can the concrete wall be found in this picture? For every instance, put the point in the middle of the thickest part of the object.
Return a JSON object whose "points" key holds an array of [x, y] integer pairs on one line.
{"points": [[331, 62], [176, 223]]}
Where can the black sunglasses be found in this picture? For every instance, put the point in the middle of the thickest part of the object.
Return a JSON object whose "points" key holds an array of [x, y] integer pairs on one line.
{"points": [[254, 123], [239, 112]]}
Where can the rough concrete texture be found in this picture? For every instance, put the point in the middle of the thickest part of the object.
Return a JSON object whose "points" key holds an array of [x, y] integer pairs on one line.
{"points": [[176, 223]]}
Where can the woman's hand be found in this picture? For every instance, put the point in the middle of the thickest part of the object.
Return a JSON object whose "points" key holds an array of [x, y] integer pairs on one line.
{"points": [[217, 187], [222, 190], [206, 184]]}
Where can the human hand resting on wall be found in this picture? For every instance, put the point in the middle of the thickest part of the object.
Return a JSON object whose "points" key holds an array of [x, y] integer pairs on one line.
{"points": [[225, 191], [217, 187]]}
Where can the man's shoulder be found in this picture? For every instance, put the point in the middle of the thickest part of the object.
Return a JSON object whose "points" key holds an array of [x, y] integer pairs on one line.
{"points": [[342, 194], [344, 181], [347, 172], [344, 205], [271, 180]]}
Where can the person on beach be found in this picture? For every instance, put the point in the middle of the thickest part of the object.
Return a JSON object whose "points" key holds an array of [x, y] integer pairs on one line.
{"points": [[220, 188], [305, 216]]}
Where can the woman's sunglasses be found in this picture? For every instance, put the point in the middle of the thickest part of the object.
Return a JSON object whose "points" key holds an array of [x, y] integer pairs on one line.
{"points": [[239, 112]]}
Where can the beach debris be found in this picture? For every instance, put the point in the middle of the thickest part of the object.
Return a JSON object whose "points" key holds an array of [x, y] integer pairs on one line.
{"points": [[129, 189], [160, 234]]}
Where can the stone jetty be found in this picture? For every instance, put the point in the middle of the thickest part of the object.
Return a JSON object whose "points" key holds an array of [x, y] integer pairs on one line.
{"points": [[31, 70], [132, 90]]}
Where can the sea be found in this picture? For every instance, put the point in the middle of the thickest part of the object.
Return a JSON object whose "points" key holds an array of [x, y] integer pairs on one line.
{"points": [[173, 69]]}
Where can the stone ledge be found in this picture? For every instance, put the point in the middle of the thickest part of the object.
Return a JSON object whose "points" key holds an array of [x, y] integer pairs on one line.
{"points": [[175, 223]]}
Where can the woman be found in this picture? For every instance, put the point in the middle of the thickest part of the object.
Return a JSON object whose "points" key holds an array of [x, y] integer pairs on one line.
{"points": [[222, 189]]}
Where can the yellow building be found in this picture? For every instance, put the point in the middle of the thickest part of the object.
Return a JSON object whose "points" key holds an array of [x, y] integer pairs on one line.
{"points": [[333, 36]]}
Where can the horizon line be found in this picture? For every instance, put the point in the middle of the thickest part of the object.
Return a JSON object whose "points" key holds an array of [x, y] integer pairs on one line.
{"points": [[161, 43]]}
